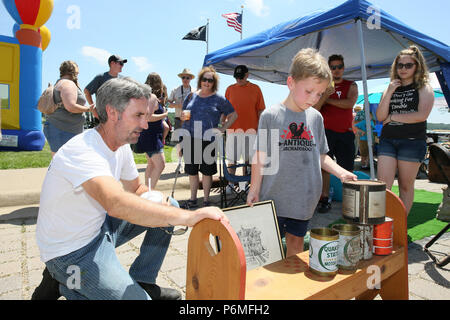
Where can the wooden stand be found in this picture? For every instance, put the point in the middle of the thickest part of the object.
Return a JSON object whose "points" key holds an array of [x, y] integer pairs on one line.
{"points": [[223, 275]]}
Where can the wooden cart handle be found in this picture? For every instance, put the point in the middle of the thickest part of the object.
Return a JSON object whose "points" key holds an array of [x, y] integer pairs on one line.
{"points": [[213, 275]]}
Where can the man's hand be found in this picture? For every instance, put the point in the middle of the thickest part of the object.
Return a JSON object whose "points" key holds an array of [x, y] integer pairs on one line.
{"points": [[206, 213], [360, 133]]}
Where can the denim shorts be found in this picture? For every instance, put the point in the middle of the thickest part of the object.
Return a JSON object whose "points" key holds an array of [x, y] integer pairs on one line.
{"points": [[151, 153], [412, 150], [293, 226], [56, 138]]}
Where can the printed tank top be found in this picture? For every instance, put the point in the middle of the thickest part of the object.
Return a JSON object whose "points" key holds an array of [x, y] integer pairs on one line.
{"points": [[404, 100]]}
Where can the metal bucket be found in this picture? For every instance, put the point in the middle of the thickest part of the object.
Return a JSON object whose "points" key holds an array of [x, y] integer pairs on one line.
{"points": [[349, 252], [364, 201], [323, 251]]}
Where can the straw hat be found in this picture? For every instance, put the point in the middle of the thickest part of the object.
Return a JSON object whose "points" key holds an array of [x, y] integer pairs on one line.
{"points": [[186, 72]]}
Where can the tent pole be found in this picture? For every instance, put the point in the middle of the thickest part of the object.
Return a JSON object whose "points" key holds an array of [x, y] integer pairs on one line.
{"points": [[366, 99], [207, 36]]}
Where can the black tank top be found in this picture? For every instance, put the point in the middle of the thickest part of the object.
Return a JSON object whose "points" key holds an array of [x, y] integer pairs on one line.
{"points": [[404, 100]]}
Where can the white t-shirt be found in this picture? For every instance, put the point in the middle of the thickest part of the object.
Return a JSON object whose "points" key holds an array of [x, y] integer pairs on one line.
{"points": [[179, 94], [68, 217]]}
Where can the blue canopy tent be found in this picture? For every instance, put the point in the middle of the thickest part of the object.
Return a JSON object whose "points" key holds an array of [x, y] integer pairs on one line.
{"points": [[368, 38]]}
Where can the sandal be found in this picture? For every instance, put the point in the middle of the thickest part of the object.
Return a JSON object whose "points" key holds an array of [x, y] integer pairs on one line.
{"points": [[189, 204], [206, 203]]}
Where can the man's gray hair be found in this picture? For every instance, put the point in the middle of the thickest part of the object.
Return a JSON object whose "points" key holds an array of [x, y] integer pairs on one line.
{"points": [[118, 92]]}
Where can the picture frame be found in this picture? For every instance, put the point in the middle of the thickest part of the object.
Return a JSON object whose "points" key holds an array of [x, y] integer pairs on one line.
{"points": [[257, 229]]}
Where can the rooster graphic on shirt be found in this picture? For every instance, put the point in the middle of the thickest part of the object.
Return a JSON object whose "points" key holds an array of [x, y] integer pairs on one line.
{"points": [[297, 138]]}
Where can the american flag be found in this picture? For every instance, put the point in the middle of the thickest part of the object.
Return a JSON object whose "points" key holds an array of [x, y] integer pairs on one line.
{"points": [[234, 20]]}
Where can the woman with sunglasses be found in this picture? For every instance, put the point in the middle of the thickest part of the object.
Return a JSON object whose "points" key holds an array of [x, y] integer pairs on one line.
{"points": [[404, 109], [206, 108]]}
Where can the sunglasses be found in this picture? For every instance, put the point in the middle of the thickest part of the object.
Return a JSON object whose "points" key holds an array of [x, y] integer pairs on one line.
{"points": [[339, 66], [177, 232], [210, 80], [120, 62], [186, 78], [408, 65]]}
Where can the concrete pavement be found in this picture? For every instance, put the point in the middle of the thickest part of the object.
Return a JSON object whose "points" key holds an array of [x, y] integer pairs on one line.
{"points": [[21, 268]]}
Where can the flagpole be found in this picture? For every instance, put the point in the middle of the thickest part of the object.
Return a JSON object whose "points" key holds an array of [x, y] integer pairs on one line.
{"points": [[242, 20], [207, 36]]}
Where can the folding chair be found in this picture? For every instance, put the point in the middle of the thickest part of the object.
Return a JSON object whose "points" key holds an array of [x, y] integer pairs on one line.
{"points": [[226, 178], [442, 160]]}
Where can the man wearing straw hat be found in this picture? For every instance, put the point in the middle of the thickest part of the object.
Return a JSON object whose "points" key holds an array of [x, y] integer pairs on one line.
{"points": [[178, 94]]}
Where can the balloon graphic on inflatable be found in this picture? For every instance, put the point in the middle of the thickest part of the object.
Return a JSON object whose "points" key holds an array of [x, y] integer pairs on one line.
{"points": [[46, 36], [29, 14]]}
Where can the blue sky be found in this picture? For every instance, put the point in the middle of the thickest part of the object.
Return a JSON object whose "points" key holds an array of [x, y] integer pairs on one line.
{"points": [[148, 33]]}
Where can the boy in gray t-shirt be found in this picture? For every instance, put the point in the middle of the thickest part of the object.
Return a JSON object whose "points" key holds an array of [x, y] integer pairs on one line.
{"points": [[291, 149]]}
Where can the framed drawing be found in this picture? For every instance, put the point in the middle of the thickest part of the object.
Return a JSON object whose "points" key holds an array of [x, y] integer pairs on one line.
{"points": [[257, 229]]}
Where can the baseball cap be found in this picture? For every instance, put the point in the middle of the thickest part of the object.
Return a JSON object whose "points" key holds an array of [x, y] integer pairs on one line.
{"points": [[240, 71], [116, 58]]}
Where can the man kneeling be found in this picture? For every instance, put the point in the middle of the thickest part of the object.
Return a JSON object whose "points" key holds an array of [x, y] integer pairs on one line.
{"points": [[90, 204]]}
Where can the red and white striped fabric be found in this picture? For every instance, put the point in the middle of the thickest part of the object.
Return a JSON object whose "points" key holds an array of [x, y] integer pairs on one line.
{"points": [[234, 20]]}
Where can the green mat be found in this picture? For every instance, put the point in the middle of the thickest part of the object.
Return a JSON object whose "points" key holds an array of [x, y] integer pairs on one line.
{"points": [[422, 220]]}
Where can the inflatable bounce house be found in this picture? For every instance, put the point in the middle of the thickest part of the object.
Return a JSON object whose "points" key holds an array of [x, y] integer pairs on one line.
{"points": [[21, 75]]}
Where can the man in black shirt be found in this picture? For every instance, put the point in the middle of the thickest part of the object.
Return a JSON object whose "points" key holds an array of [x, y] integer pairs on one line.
{"points": [[115, 67]]}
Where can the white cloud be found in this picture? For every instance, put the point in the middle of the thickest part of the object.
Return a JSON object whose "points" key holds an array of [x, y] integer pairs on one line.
{"points": [[257, 7], [98, 54], [142, 63]]}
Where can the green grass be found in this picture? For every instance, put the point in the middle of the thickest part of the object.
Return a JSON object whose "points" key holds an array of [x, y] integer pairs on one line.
{"points": [[169, 154], [25, 159], [41, 159]]}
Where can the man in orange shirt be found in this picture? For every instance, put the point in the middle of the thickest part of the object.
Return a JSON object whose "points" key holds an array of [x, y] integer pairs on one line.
{"points": [[248, 102]]}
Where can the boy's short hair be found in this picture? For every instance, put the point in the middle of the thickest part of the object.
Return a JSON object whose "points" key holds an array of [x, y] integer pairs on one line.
{"points": [[335, 57], [309, 63]]}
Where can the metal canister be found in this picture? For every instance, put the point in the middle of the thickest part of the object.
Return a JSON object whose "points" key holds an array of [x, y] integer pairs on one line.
{"points": [[366, 241], [323, 251], [364, 201], [349, 252]]}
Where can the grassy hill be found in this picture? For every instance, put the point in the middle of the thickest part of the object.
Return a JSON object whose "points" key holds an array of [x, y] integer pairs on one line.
{"points": [[438, 126]]}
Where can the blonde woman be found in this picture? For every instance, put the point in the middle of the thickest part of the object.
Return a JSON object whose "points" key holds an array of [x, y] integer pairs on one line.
{"points": [[206, 109], [68, 120], [404, 109]]}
